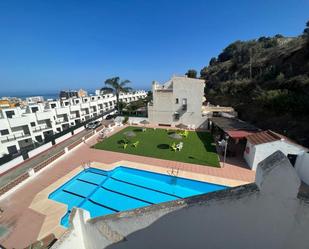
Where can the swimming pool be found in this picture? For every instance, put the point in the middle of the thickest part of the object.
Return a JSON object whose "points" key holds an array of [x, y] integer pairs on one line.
{"points": [[107, 192]]}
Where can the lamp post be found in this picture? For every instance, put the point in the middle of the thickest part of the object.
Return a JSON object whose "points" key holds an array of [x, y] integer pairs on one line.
{"points": [[226, 142]]}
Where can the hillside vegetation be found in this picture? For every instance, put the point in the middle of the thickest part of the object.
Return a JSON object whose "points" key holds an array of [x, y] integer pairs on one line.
{"points": [[267, 81]]}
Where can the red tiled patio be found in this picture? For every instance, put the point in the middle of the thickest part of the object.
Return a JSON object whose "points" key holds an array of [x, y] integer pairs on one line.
{"points": [[24, 224]]}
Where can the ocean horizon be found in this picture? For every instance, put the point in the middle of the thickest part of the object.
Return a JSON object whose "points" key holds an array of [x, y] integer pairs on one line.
{"points": [[46, 96]]}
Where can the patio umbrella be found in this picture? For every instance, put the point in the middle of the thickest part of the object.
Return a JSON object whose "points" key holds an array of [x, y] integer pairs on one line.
{"points": [[182, 126], [175, 136], [129, 134]]}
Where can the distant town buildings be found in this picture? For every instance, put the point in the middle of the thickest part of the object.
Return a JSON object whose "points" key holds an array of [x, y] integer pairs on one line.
{"points": [[68, 94], [72, 94], [34, 99], [82, 93], [6, 102]]}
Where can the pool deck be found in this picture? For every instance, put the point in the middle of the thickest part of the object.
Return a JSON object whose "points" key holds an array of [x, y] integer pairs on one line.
{"points": [[29, 215]]}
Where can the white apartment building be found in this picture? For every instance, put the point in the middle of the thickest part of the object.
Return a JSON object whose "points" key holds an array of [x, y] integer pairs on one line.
{"points": [[179, 100], [22, 127], [34, 99]]}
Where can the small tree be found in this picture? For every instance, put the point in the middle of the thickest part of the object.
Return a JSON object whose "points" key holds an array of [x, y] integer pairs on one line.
{"points": [[280, 77], [114, 85], [192, 73], [306, 30], [212, 61]]}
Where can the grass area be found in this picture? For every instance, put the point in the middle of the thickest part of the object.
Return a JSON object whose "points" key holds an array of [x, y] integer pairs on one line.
{"points": [[198, 146]]}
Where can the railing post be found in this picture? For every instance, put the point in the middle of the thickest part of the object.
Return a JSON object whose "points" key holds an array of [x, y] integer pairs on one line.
{"points": [[31, 172]]}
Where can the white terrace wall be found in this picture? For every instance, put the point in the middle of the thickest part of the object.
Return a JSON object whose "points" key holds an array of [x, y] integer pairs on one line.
{"points": [[11, 164], [264, 150], [64, 137], [40, 149], [302, 167], [267, 214], [78, 130], [249, 154]]}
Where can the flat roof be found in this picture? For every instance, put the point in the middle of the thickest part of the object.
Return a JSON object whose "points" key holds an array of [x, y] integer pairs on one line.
{"points": [[233, 124]]}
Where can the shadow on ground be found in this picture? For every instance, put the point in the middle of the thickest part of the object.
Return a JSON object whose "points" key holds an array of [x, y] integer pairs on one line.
{"points": [[163, 146]]}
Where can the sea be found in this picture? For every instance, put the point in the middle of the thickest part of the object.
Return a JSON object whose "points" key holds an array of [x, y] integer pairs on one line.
{"points": [[46, 96]]}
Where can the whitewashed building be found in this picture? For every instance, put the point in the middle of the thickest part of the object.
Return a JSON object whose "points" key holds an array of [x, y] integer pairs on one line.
{"points": [[22, 127], [34, 99], [179, 100], [262, 144]]}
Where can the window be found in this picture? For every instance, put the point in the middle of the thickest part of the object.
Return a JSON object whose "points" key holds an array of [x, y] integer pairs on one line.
{"points": [[12, 149], [4, 132], [177, 101], [32, 124], [184, 104], [176, 116], [53, 105], [77, 101], [34, 109], [10, 114], [39, 139]]}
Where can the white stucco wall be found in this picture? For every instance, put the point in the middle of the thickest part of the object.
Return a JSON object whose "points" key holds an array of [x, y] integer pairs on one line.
{"points": [[259, 152], [62, 138], [162, 110], [40, 149], [249, 156], [267, 214], [165, 105], [78, 130], [11, 164], [302, 167]]}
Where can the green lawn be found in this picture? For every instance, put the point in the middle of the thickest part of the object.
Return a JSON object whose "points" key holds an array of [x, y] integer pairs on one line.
{"points": [[198, 146]]}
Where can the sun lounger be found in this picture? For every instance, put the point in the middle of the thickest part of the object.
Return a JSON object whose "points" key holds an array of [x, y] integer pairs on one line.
{"points": [[135, 144], [173, 147]]}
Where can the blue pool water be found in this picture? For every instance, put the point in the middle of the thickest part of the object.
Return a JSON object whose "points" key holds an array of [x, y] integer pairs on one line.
{"points": [[107, 192]]}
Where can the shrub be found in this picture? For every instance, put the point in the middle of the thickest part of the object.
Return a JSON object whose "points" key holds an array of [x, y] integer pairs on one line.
{"points": [[125, 120]]}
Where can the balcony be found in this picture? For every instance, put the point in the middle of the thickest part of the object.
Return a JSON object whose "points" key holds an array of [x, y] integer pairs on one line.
{"points": [[85, 105], [20, 121], [61, 120], [62, 110], [75, 108], [41, 128], [74, 116], [44, 115], [13, 137]]}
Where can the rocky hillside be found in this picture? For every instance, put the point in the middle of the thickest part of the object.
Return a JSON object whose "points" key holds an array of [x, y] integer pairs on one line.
{"points": [[267, 81]]}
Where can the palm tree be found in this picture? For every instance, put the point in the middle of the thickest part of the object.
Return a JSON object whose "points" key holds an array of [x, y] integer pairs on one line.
{"points": [[114, 85]]}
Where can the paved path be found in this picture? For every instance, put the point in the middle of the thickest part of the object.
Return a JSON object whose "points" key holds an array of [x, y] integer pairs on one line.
{"points": [[30, 163], [23, 224]]}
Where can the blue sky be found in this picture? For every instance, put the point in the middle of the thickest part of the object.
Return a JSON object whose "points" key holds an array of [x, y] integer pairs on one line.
{"points": [[50, 45]]}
